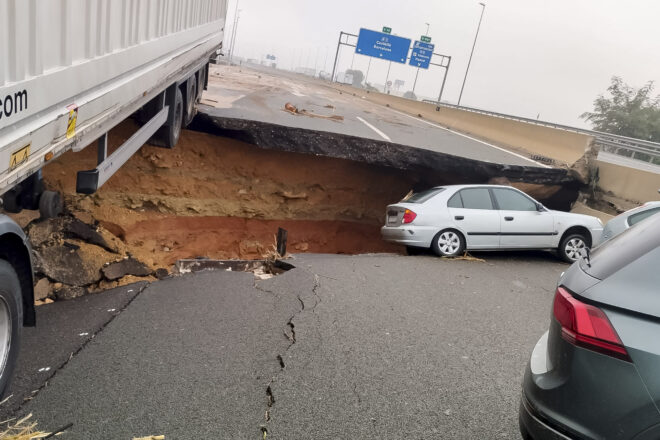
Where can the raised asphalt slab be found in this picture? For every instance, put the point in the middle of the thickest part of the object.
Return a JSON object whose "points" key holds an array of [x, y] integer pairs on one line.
{"points": [[261, 95]]}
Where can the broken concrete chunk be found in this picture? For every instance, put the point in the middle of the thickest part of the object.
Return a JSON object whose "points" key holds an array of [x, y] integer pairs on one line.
{"points": [[40, 232], [75, 267], [128, 266], [71, 292], [42, 289]]}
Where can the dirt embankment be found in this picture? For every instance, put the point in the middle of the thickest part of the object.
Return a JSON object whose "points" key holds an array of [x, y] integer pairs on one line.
{"points": [[220, 198]]}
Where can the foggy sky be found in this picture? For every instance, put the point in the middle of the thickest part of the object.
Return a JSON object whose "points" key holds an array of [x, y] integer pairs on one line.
{"points": [[533, 57]]}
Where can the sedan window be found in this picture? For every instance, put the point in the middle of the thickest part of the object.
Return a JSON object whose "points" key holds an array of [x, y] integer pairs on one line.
{"points": [[455, 201], [476, 198], [636, 218], [510, 200]]}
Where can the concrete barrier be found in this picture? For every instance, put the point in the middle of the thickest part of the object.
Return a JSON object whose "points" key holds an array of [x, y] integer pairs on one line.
{"points": [[563, 146], [629, 183]]}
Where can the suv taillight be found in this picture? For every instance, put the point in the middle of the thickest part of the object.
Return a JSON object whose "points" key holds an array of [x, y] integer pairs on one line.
{"points": [[587, 326], [408, 216]]}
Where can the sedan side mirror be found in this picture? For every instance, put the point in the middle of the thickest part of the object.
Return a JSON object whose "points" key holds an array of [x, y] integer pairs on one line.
{"points": [[540, 207]]}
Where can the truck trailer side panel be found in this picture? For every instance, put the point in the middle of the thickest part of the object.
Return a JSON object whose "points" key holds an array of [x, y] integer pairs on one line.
{"points": [[73, 69]]}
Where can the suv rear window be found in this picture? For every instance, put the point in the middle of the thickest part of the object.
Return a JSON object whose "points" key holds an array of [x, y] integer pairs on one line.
{"points": [[423, 196], [636, 218], [623, 249]]}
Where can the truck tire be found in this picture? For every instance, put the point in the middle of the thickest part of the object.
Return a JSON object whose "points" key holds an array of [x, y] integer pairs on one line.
{"points": [[50, 204], [191, 100], [11, 322], [200, 83], [10, 202], [168, 135]]}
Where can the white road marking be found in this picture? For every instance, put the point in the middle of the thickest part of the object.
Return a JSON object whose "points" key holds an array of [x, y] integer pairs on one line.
{"points": [[380, 133], [469, 137]]}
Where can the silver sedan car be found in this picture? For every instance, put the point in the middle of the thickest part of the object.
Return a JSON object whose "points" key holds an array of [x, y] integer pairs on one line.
{"points": [[452, 219], [629, 218]]}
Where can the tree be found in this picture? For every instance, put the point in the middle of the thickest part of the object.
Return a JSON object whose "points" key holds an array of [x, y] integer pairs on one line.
{"points": [[627, 111]]}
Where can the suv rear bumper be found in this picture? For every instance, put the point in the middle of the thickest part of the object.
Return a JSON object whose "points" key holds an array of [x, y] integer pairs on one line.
{"points": [[532, 427]]}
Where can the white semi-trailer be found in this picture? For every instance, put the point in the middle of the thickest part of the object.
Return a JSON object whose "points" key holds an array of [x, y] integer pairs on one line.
{"points": [[70, 70]]}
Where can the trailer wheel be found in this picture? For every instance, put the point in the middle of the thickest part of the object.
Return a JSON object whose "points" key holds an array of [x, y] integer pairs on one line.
{"points": [[11, 318], [50, 204], [168, 135], [200, 84], [10, 202], [191, 99]]}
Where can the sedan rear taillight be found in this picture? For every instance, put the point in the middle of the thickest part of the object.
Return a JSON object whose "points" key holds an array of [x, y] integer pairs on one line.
{"points": [[587, 326], [408, 216]]}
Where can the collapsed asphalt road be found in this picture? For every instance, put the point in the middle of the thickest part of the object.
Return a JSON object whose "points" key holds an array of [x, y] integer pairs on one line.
{"points": [[373, 346], [250, 106]]}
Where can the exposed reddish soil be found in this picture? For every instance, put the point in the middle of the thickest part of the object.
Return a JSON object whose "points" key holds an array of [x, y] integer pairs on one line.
{"points": [[221, 198]]}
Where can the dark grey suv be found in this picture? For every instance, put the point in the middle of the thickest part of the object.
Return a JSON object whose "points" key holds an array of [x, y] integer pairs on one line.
{"points": [[596, 372]]}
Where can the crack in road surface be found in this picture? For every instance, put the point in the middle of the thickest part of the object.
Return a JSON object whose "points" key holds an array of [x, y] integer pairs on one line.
{"points": [[291, 336], [74, 353]]}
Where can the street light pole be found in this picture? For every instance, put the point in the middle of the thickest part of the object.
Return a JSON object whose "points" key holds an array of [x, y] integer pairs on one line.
{"points": [[483, 8], [231, 45], [233, 38]]}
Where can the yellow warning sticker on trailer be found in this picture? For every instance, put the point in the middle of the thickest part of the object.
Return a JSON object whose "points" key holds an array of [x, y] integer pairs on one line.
{"points": [[19, 157], [71, 125]]}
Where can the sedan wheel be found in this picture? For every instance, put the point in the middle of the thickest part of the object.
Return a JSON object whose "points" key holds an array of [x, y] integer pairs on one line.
{"points": [[572, 248], [448, 243]]}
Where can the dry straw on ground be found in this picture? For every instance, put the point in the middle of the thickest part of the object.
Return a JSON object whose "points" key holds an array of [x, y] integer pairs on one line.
{"points": [[23, 429]]}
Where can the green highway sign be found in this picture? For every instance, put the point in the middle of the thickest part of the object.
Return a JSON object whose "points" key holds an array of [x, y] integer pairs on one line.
{"points": [[387, 30], [424, 38]]}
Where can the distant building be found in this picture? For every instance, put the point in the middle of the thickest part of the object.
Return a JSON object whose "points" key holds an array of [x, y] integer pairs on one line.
{"points": [[305, 71], [345, 78]]}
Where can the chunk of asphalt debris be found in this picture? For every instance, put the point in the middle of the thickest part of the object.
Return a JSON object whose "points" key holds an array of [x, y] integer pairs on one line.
{"points": [[87, 233], [70, 292], [128, 266], [75, 267], [161, 273]]}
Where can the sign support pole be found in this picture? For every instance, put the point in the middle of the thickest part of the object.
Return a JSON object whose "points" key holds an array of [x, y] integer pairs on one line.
{"points": [[367, 75], [442, 87], [415, 83], [334, 66], [387, 77], [339, 44]]}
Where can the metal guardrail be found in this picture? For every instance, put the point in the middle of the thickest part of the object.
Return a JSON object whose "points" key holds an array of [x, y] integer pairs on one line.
{"points": [[638, 149]]}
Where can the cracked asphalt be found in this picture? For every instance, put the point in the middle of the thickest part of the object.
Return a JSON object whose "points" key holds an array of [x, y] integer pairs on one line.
{"points": [[369, 347]]}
